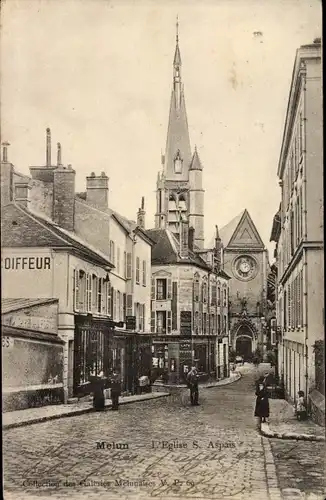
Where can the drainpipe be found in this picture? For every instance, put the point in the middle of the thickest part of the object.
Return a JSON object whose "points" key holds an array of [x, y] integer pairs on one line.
{"points": [[305, 233]]}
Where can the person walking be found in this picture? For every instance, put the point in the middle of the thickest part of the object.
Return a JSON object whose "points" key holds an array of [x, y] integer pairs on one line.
{"points": [[115, 389], [98, 385], [262, 402], [192, 380]]}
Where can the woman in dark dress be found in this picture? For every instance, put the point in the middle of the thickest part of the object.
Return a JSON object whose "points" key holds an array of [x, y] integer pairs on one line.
{"points": [[262, 403]]}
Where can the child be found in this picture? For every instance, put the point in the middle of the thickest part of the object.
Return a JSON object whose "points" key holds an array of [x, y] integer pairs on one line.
{"points": [[300, 410]]}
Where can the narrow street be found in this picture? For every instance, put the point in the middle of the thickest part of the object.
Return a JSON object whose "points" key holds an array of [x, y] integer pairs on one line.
{"points": [[163, 448]]}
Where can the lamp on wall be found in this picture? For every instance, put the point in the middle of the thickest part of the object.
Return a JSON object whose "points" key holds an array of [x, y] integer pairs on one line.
{"points": [[81, 273], [107, 278]]}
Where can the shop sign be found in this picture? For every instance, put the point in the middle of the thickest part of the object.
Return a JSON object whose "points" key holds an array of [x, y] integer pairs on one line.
{"points": [[18, 263], [31, 323]]}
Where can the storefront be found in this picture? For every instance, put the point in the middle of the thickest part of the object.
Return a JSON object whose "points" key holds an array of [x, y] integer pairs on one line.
{"points": [[100, 347], [173, 357]]}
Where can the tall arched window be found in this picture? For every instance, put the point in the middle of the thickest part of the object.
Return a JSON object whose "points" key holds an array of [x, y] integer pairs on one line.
{"points": [[178, 163]]}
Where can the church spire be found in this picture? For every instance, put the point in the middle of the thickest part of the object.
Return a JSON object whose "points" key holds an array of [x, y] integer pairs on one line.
{"points": [[178, 152]]}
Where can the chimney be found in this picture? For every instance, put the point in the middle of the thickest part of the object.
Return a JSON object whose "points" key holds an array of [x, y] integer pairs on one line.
{"points": [[141, 214], [184, 239], [191, 238], [64, 197], [48, 148], [7, 177], [44, 173], [97, 190], [59, 161]]}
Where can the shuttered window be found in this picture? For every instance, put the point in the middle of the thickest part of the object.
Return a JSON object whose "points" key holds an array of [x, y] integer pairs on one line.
{"points": [[129, 266], [169, 322], [144, 272], [108, 300], [89, 292], [129, 305], [137, 270], [76, 290], [153, 323]]}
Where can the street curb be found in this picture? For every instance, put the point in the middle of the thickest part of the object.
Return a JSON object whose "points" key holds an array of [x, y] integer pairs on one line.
{"points": [[202, 386], [76, 412], [267, 432]]}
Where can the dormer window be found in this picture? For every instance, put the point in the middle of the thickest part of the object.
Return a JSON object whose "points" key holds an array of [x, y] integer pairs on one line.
{"points": [[178, 163]]}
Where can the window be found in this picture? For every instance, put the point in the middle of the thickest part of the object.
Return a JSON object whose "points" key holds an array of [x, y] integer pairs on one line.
{"points": [[161, 321], [214, 290], [89, 293], [225, 323], [204, 292], [178, 163], [108, 299], [196, 322], [218, 323], [218, 296], [118, 305], [112, 252], [224, 297], [99, 295], [161, 289], [141, 317], [204, 319], [76, 290], [137, 270], [144, 272], [129, 266], [196, 291], [212, 326], [125, 264], [129, 305], [118, 260]]}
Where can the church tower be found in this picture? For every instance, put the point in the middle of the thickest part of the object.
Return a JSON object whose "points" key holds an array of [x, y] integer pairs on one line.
{"points": [[179, 192]]}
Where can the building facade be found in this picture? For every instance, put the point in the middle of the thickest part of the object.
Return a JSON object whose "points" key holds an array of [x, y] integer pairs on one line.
{"points": [[189, 308], [57, 244], [245, 260], [298, 228], [32, 353], [179, 189]]}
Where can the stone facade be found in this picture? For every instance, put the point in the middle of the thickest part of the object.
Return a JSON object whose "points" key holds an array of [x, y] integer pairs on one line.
{"points": [[299, 232], [245, 260]]}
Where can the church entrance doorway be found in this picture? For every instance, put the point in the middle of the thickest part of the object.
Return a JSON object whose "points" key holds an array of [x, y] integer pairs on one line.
{"points": [[244, 347]]}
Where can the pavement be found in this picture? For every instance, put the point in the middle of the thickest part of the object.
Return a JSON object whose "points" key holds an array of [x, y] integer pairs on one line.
{"points": [[284, 425], [163, 448], [29, 416], [234, 376]]}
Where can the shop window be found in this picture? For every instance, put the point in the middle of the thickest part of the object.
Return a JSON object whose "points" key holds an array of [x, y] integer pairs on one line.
{"points": [[137, 270]]}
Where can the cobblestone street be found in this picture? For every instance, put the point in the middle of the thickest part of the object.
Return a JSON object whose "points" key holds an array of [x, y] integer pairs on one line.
{"points": [[163, 448]]}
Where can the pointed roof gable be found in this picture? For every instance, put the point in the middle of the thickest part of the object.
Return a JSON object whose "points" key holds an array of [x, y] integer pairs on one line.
{"points": [[227, 231], [195, 162], [244, 235]]}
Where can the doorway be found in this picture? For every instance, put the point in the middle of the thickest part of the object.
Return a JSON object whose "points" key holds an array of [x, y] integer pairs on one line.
{"points": [[244, 347]]}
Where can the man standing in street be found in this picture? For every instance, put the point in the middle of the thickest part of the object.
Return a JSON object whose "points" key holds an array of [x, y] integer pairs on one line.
{"points": [[192, 380]]}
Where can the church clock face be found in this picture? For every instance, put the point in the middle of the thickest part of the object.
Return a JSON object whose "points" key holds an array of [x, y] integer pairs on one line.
{"points": [[245, 268]]}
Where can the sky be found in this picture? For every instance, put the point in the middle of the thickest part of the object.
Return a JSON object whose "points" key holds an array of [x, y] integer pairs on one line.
{"points": [[99, 74]]}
